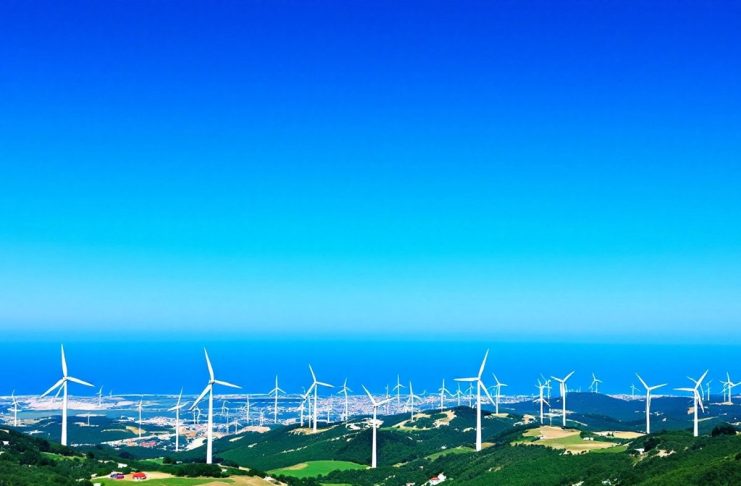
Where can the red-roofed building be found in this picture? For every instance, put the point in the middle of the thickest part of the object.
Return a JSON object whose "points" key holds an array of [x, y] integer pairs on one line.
{"points": [[138, 476]]}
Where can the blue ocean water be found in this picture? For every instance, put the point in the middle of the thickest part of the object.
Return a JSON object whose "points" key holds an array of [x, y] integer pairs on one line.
{"points": [[161, 366]]}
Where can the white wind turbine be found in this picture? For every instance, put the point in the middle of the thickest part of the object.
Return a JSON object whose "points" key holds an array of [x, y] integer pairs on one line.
{"points": [[139, 408], [62, 385], [210, 391], [302, 407], [225, 414], [176, 409], [540, 399], [397, 389], [315, 384], [443, 391], [498, 385], [479, 386], [594, 386], [649, 389], [458, 395], [410, 401], [344, 391], [633, 389], [275, 392], [15, 409], [562, 387], [100, 397], [388, 403], [374, 423], [729, 384], [697, 400]]}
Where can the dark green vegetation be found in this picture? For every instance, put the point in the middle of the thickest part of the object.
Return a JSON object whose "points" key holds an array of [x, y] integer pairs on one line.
{"points": [[285, 447], [34, 461], [413, 453]]}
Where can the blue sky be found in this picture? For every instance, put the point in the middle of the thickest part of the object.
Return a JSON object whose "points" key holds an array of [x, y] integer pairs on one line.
{"points": [[498, 169]]}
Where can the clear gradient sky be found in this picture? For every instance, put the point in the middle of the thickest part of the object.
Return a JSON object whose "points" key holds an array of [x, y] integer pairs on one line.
{"points": [[566, 170]]}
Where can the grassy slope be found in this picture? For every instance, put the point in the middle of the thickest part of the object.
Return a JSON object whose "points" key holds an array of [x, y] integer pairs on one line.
{"points": [[312, 469]]}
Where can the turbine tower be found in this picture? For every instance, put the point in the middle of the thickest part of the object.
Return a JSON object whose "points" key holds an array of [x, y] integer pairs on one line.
{"points": [[139, 408], [176, 409], [374, 422], [315, 384], [562, 387], [62, 385], [479, 386], [498, 385], [275, 392], [696, 398], [649, 389], [210, 391]]}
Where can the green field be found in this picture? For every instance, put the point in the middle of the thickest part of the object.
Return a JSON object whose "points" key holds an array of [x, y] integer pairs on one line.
{"points": [[312, 469], [454, 450], [162, 482]]}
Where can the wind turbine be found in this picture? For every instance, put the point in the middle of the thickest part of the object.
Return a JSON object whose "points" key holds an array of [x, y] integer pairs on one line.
{"points": [[633, 389], [498, 385], [176, 409], [344, 390], [139, 408], [225, 414], [458, 395], [302, 407], [410, 401], [276, 391], [315, 385], [562, 387], [443, 391], [374, 422], [15, 409], [388, 403], [397, 389], [210, 391], [594, 386], [100, 397], [697, 400], [729, 384], [541, 400], [479, 386], [649, 389], [62, 385]]}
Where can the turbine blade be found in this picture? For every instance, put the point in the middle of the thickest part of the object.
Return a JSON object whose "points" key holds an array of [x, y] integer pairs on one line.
{"points": [[79, 381], [373, 400], [225, 383], [313, 376], [466, 379], [208, 363], [64, 363], [200, 397], [483, 364], [642, 382], [568, 376], [321, 383], [486, 392], [59, 383], [697, 383]]}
